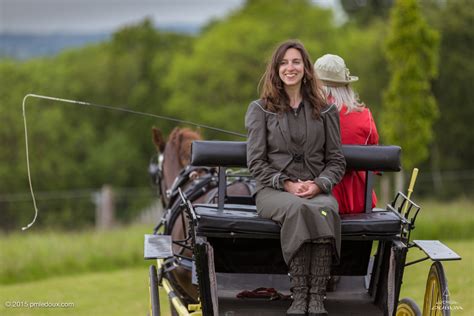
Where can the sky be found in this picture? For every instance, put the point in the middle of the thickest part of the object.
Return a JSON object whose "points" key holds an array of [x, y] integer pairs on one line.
{"points": [[92, 16]]}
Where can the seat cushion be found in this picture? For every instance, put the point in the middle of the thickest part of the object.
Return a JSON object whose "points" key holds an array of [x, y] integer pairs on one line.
{"points": [[243, 219], [235, 218], [377, 222]]}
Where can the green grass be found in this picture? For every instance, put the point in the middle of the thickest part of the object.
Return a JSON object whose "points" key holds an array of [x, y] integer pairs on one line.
{"points": [[445, 220], [460, 277], [28, 256], [122, 292]]}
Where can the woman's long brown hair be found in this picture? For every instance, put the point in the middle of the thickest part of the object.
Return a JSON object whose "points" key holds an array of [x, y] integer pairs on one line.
{"points": [[273, 90]]}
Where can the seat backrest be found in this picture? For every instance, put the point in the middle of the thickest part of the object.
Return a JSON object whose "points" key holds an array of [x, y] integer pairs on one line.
{"points": [[234, 154], [224, 154]]}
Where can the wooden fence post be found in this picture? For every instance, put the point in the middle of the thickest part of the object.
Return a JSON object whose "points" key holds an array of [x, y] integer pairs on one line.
{"points": [[105, 208]]}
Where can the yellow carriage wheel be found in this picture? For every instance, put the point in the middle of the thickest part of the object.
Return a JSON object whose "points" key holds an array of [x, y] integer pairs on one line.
{"points": [[436, 301], [408, 307]]}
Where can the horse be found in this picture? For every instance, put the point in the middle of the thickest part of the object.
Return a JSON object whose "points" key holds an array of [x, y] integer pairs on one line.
{"points": [[173, 172]]}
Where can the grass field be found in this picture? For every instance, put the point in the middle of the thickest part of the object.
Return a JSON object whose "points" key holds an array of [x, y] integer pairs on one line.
{"points": [[122, 292], [28, 256], [125, 292], [104, 272], [445, 220]]}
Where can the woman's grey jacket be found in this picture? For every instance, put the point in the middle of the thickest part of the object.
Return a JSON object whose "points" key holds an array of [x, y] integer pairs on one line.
{"points": [[270, 152]]}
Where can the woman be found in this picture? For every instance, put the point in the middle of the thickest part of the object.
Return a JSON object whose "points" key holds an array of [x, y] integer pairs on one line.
{"points": [[357, 128], [294, 153]]}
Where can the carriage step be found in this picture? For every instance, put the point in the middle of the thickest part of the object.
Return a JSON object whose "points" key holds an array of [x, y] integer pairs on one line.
{"points": [[158, 247], [436, 250]]}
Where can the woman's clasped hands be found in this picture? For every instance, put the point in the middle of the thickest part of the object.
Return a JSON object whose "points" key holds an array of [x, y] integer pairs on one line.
{"points": [[304, 189]]}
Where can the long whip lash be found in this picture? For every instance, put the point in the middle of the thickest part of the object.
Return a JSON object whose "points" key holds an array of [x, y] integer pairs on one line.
{"points": [[106, 107]]}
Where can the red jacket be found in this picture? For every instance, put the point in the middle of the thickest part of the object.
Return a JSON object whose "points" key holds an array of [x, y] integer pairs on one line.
{"points": [[357, 128]]}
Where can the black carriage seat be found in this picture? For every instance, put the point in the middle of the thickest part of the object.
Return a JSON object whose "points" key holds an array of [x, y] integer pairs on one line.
{"points": [[242, 220]]}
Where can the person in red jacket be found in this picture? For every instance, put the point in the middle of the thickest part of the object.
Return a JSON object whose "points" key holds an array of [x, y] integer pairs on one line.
{"points": [[357, 128]]}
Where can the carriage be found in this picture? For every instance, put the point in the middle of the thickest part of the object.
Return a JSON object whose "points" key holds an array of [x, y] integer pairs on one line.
{"points": [[215, 256]]}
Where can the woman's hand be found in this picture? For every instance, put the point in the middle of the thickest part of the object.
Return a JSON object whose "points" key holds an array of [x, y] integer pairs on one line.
{"points": [[304, 189], [311, 191], [293, 187]]}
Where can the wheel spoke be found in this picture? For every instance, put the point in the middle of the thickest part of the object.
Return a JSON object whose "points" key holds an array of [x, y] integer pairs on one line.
{"points": [[432, 298]]}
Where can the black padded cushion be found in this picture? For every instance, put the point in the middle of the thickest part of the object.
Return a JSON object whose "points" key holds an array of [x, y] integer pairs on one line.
{"points": [[372, 158], [234, 154], [377, 222], [243, 219], [218, 153]]}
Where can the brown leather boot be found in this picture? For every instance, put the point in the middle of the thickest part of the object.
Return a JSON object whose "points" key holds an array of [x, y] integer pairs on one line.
{"points": [[321, 255], [299, 272]]}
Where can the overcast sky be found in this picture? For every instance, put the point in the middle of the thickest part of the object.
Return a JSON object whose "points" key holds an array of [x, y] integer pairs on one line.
{"points": [[92, 16]]}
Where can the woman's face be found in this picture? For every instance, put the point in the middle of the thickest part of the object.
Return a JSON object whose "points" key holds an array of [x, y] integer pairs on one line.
{"points": [[291, 69]]}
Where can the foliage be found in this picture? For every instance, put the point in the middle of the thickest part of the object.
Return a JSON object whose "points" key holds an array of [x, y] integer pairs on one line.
{"points": [[210, 78], [215, 83], [363, 12], [409, 108], [453, 89], [75, 147], [362, 51]]}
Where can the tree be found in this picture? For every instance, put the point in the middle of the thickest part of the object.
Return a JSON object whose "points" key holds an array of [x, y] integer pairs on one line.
{"points": [[81, 148], [362, 49], [453, 150], [363, 12], [409, 107], [215, 82]]}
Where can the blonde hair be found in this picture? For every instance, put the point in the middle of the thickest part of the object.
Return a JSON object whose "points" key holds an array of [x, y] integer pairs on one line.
{"points": [[344, 95]]}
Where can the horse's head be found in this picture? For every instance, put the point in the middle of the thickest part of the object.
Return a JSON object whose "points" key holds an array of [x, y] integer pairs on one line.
{"points": [[174, 155], [180, 141]]}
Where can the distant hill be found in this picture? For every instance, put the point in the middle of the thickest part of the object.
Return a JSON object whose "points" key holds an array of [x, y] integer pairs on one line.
{"points": [[25, 46]]}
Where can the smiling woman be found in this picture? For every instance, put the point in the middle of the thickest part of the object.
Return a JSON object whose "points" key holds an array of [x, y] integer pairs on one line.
{"points": [[296, 160]]}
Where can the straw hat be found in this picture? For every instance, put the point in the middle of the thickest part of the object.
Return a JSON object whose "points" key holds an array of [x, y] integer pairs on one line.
{"points": [[332, 70]]}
